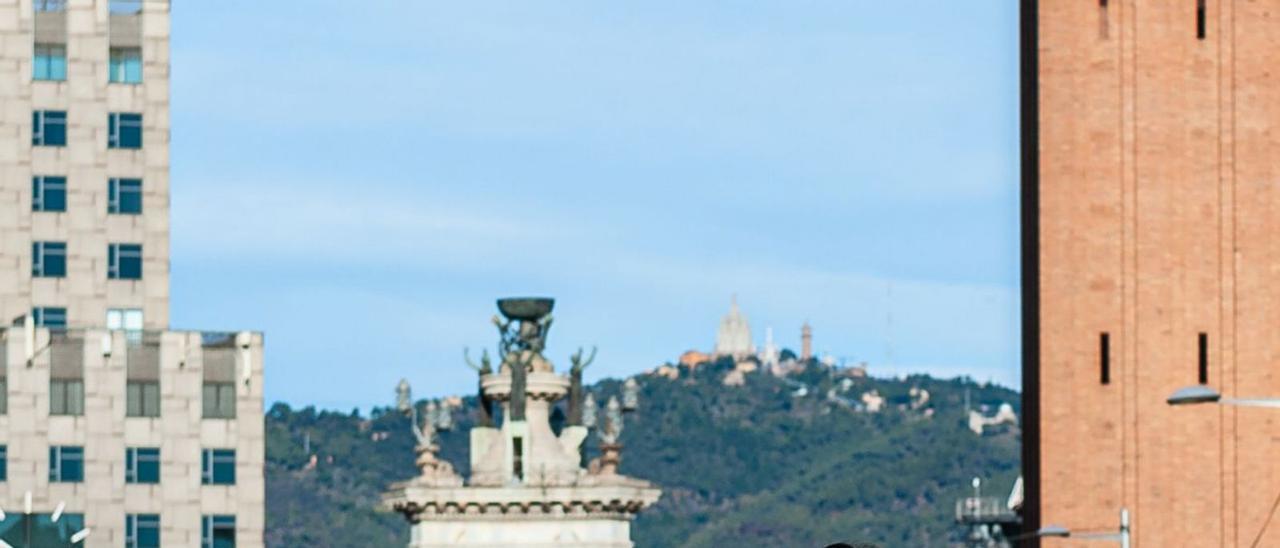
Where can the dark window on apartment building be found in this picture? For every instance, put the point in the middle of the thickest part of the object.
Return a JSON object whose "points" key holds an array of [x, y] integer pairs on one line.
{"points": [[219, 356], [49, 128], [128, 320], [142, 465], [49, 259], [124, 196], [142, 531], [124, 261], [49, 316], [49, 194], [143, 399], [66, 397], [124, 130], [142, 366], [124, 7], [49, 6], [219, 400], [49, 62], [4, 463], [66, 373], [218, 467], [125, 65], [218, 532], [66, 464]]}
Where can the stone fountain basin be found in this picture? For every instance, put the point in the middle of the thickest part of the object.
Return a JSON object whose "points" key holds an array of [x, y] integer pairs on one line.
{"points": [[526, 308], [538, 383]]}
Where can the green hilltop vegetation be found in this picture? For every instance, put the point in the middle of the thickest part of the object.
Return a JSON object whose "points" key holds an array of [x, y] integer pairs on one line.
{"points": [[750, 465]]}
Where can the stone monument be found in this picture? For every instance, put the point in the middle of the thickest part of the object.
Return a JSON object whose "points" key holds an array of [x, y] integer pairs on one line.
{"points": [[527, 486]]}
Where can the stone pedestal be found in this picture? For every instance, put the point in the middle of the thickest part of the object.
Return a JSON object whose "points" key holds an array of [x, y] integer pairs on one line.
{"points": [[527, 485], [591, 515]]}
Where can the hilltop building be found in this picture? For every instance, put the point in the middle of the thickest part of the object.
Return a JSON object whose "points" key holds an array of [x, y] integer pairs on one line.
{"points": [[770, 355], [110, 424], [1149, 247], [692, 359], [527, 486], [733, 339], [806, 342], [979, 422]]}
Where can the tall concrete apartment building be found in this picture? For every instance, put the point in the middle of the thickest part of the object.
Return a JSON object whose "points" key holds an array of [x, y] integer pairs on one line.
{"points": [[1151, 255], [111, 425]]}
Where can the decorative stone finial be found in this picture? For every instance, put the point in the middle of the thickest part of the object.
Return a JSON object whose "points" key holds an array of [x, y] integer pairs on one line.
{"points": [[432, 471], [610, 449], [589, 410]]}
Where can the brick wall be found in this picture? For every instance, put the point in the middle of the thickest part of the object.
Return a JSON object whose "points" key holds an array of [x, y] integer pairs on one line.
{"points": [[1159, 211]]}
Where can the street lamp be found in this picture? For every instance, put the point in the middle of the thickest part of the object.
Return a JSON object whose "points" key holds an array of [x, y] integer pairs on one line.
{"points": [[1202, 393], [1058, 531], [28, 533]]}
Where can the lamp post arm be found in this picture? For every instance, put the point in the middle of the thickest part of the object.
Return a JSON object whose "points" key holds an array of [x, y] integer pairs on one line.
{"points": [[1251, 402], [1113, 537]]}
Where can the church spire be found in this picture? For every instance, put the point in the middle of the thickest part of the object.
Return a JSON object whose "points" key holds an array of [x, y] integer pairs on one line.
{"points": [[734, 336]]}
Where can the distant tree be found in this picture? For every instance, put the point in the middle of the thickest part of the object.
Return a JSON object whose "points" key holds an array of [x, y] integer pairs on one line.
{"points": [[279, 411]]}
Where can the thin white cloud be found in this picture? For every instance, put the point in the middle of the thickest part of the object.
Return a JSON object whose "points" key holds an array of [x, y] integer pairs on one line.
{"points": [[317, 222]]}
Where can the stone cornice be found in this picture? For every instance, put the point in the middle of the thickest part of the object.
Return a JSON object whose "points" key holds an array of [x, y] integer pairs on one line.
{"points": [[540, 385], [419, 503]]}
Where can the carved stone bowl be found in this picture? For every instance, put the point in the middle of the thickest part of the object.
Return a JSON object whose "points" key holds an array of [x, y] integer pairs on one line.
{"points": [[526, 308]]}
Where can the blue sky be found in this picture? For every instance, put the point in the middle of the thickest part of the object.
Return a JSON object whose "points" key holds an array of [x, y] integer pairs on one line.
{"points": [[360, 180]]}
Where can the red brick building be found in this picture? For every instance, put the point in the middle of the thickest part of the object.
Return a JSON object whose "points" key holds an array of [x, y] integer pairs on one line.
{"points": [[1151, 257]]}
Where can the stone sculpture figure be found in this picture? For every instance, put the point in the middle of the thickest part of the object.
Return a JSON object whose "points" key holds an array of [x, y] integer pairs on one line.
{"points": [[425, 429], [431, 468], [404, 403], [575, 385], [528, 335], [484, 369], [518, 348], [612, 422], [589, 410], [610, 450]]}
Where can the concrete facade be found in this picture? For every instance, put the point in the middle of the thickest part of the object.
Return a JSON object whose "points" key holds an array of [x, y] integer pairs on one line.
{"points": [[183, 362], [1151, 208], [88, 29], [84, 352]]}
